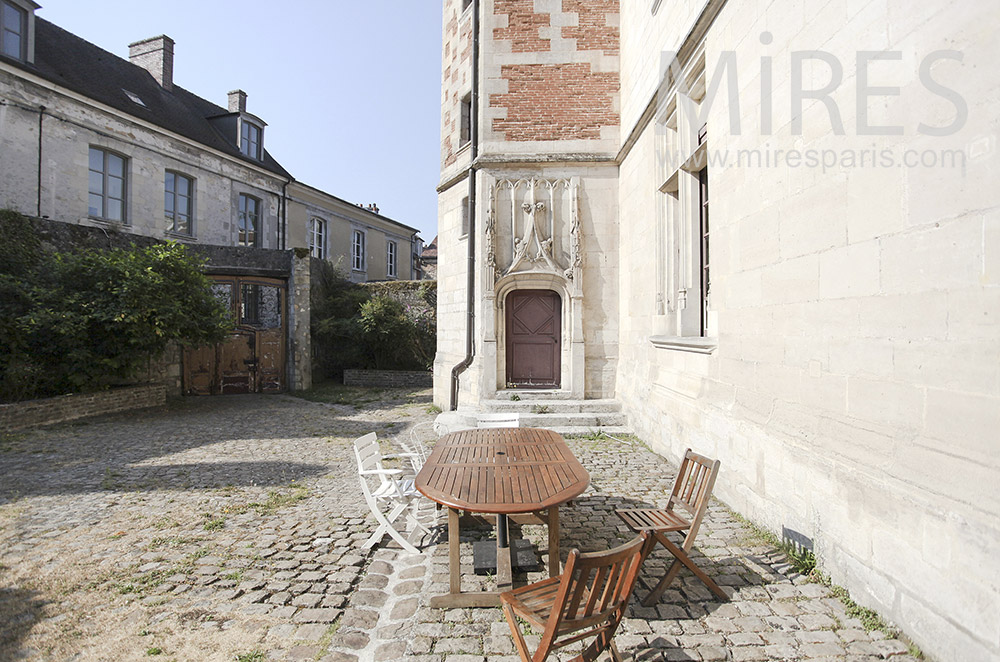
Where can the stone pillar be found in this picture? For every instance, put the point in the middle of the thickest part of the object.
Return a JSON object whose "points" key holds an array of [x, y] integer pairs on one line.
{"points": [[300, 332]]}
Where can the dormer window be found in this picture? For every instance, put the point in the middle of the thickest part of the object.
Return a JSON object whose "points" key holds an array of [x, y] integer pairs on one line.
{"points": [[250, 135], [13, 30]]}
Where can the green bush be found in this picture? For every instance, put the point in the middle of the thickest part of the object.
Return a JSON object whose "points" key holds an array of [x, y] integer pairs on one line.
{"points": [[357, 326], [81, 321]]}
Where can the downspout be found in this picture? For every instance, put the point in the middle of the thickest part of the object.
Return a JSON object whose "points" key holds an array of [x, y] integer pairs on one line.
{"points": [[470, 329], [283, 233], [41, 115]]}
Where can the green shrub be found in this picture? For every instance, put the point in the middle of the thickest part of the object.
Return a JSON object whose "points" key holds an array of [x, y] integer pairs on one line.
{"points": [[81, 321]]}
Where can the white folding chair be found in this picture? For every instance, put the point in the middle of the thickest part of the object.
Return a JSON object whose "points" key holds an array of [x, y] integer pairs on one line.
{"points": [[391, 492], [499, 420]]}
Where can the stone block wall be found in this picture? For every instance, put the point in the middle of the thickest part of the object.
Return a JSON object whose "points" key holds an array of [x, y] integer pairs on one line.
{"points": [[33, 413], [388, 378], [854, 394]]}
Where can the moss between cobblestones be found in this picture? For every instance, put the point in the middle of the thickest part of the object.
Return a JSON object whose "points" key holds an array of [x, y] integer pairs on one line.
{"points": [[805, 563]]}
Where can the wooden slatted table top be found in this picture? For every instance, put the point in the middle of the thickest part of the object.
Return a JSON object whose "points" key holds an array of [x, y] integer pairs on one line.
{"points": [[502, 470]]}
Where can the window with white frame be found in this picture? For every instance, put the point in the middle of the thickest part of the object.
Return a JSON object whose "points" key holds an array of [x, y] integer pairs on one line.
{"points": [[683, 276], [464, 228], [317, 238], [358, 250], [250, 143], [249, 221], [107, 185], [390, 259], [178, 202], [13, 31]]}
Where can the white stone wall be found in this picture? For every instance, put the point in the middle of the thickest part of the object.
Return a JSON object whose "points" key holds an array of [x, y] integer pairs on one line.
{"points": [[854, 396], [71, 124]]}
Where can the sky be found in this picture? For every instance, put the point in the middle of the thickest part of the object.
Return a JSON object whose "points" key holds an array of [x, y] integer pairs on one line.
{"points": [[350, 90]]}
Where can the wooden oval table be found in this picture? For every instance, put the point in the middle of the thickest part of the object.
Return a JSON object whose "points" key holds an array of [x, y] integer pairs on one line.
{"points": [[516, 472]]}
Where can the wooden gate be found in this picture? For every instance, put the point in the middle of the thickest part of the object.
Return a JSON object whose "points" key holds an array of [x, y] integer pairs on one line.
{"points": [[252, 358], [533, 328]]}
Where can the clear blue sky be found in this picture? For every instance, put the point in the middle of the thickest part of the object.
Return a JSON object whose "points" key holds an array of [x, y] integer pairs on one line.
{"points": [[350, 90]]}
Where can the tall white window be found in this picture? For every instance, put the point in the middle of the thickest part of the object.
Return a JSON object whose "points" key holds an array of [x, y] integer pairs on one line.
{"points": [[249, 221], [317, 238], [178, 202], [683, 275], [13, 31], [107, 185], [250, 135], [390, 259], [358, 251]]}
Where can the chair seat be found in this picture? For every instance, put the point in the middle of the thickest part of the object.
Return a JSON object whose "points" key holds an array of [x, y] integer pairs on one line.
{"points": [[652, 519], [388, 490], [534, 601]]}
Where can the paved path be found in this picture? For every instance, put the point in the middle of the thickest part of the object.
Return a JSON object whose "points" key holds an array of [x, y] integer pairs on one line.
{"points": [[230, 528]]}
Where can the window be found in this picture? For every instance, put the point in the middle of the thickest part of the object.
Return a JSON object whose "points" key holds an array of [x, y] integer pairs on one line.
{"points": [[464, 231], [706, 282], [178, 202], [317, 238], [13, 31], [390, 259], [106, 188], [358, 251], [250, 139], [466, 4], [249, 221], [465, 127], [685, 319]]}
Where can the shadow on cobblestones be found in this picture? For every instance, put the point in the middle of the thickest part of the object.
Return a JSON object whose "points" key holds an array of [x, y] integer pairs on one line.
{"points": [[20, 610]]}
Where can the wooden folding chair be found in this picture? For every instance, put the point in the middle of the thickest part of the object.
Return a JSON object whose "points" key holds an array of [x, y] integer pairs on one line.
{"points": [[391, 491], [690, 493], [587, 600]]}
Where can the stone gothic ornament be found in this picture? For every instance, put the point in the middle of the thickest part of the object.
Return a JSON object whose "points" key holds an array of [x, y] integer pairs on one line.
{"points": [[540, 220]]}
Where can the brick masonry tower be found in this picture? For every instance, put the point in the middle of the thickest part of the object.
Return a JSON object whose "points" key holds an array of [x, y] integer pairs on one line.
{"points": [[543, 222]]}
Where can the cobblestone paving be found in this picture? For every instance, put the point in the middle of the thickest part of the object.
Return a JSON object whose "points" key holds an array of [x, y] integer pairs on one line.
{"points": [[230, 528]]}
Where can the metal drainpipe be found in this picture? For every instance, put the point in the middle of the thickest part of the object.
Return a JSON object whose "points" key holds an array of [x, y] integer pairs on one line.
{"points": [[41, 116], [470, 329], [283, 235]]}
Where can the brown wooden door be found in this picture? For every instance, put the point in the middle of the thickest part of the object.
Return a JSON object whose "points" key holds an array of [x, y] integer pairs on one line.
{"points": [[252, 358], [533, 325]]}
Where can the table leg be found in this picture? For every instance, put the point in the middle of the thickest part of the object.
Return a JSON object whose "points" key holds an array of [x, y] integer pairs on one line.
{"points": [[454, 553], [505, 570], [554, 562]]}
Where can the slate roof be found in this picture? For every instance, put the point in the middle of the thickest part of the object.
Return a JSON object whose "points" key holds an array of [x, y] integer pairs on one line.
{"points": [[78, 65]]}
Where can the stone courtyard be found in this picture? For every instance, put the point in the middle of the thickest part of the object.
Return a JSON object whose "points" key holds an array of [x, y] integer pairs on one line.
{"points": [[231, 528]]}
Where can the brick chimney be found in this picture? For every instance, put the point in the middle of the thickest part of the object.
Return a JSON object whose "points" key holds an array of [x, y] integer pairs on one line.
{"points": [[237, 101], [155, 55]]}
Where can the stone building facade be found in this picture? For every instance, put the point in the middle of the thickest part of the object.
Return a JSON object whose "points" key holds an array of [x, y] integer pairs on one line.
{"points": [[364, 244], [91, 139], [829, 331]]}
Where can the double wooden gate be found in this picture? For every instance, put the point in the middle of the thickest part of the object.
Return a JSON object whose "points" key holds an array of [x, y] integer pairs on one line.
{"points": [[252, 359]]}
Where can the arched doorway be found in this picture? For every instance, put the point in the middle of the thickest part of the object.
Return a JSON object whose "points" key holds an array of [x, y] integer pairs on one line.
{"points": [[533, 326]]}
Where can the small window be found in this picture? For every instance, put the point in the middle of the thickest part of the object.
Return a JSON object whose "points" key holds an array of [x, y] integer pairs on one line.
{"points": [[13, 31], [249, 221], [465, 217], [465, 127], [250, 139], [107, 185], [358, 251], [390, 259], [317, 238], [178, 202]]}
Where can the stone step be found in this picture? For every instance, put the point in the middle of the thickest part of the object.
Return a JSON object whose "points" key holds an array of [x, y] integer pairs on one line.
{"points": [[614, 430], [584, 420], [552, 406], [534, 394]]}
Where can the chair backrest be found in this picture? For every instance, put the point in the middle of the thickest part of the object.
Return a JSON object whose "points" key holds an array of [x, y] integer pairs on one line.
{"points": [[499, 420], [594, 591], [693, 488], [367, 452]]}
